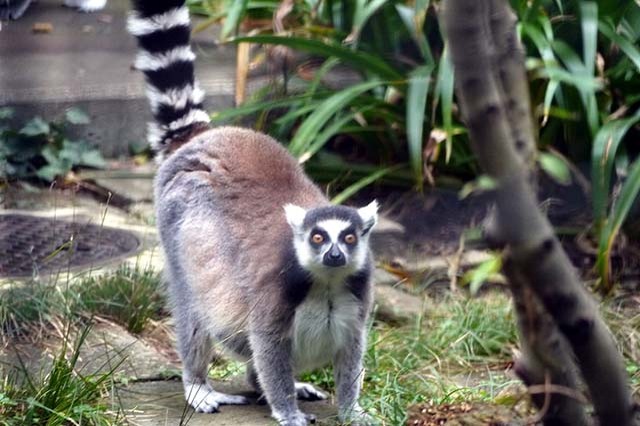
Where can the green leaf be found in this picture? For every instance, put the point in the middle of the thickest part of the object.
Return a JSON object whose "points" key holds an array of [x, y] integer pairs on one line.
{"points": [[6, 113], [555, 167], [357, 186], [548, 96], [580, 72], [416, 104], [445, 84], [361, 60], [589, 24], [408, 16], [251, 108], [50, 154], [51, 171], [71, 151], [35, 127], [480, 184], [75, 115], [481, 273], [625, 45], [312, 125], [92, 158], [603, 155], [337, 126], [319, 75], [363, 11], [628, 194], [539, 40], [234, 15]]}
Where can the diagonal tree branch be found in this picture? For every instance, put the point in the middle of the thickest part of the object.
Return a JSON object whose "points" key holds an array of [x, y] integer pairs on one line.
{"points": [[483, 47]]}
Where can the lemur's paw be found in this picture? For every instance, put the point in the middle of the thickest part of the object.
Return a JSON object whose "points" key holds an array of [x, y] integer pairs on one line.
{"points": [[86, 5], [204, 399], [296, 419], [307, 392]]}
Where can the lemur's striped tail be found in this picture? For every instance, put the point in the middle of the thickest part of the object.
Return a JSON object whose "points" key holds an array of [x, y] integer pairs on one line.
{"points": [[162, 28]]}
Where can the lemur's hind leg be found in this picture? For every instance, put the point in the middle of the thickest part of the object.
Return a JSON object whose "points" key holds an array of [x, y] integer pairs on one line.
{"points": [[196, 351], [304, 391]]}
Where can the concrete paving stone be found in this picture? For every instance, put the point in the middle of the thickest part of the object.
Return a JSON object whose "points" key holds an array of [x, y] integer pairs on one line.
{"points": [[162, 403], [135, 182], [86, 61]]}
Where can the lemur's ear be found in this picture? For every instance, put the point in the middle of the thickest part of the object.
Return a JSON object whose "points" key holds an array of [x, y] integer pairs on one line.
{"points": [[369, 216], [295, 216]]}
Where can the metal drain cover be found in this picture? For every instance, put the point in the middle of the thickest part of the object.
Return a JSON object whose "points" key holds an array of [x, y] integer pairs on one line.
{"points": [[30, 244]]}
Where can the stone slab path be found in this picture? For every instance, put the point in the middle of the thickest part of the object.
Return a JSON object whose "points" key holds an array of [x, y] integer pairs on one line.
{"points": [[162, 403]]}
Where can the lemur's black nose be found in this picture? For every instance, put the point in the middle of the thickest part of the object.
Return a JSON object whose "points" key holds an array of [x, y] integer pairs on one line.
{"points": [[334, 257]]}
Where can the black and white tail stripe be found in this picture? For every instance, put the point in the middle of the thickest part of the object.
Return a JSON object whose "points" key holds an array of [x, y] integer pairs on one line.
{"points": [[162, 28]]}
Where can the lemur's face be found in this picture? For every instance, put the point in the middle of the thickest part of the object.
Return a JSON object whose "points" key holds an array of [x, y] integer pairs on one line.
{"points": [[333, 236]]}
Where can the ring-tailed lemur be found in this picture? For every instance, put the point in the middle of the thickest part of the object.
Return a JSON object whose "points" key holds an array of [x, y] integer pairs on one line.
{"points": [[257, 258]]}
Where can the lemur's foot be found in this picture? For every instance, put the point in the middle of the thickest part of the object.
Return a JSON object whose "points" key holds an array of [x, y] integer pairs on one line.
{"points": [[86, 5], [204, 399], [308, 392], [304, 391], [296, 419]]}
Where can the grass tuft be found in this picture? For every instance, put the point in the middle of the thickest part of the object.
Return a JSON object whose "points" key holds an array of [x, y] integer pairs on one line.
{"points": [[62, 397], [27, 309], [128, 296]]}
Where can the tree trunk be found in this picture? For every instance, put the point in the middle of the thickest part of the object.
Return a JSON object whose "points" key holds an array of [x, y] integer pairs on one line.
{"points": [[492, 90]]}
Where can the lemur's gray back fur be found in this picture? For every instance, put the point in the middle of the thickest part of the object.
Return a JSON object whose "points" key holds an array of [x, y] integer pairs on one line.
{"points": [[230, 263]]}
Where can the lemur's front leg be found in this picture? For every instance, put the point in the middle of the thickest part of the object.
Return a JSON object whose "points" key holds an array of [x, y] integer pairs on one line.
{"points": [[348, 373], [272, 360]]}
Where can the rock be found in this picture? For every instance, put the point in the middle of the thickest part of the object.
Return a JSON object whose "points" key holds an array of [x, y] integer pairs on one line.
{"points": [[394, 305], [107, 346]]}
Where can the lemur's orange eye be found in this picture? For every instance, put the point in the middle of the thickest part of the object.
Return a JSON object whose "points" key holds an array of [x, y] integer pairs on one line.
{"points": [[317, 238], [350, 239]]}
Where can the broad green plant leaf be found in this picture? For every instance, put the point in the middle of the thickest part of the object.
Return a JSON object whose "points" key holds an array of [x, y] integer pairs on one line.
{"points": [[481, 273], [35, 127], [314, 123], [77, 116], [481, 184], [361, 60], [628, 194], [603, 155], [234, 15], [416, 103], [555, 167], [6, 113]]}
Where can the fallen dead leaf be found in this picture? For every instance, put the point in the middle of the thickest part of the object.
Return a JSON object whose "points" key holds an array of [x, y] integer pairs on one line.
{"points": [[42, 27]]}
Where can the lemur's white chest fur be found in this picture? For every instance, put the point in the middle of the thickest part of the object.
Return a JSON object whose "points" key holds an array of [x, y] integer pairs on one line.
{"points": [[322, 324]]}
